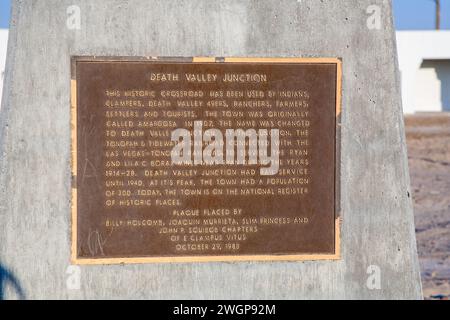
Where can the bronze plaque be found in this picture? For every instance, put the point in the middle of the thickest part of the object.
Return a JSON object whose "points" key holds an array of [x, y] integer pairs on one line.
{"points": [[204, 159]]}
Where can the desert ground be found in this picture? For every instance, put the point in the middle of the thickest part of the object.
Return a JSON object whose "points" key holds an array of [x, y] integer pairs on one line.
{"points": [[428, 138]]}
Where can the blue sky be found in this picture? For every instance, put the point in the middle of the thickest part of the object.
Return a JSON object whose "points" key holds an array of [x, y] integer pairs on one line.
{"points": [[4, 13], [409, 14], [420, 14]]}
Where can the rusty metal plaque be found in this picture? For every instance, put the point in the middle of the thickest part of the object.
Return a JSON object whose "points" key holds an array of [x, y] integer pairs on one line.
{"points": [[204, 159]]}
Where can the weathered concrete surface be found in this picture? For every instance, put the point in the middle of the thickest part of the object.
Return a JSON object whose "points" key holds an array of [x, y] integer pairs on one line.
{"points": [[377, 215]]}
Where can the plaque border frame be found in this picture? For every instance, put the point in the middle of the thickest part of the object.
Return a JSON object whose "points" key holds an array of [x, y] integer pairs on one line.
{"points": [[206, 258]]}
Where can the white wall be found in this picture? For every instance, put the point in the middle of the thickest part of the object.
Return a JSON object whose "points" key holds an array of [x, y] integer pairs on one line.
{"points": [[3, 46], [424, 60], [432, 86]]}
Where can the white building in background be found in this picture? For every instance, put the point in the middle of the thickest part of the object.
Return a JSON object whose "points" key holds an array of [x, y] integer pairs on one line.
{"points": [[424, 60], [3, 45]]}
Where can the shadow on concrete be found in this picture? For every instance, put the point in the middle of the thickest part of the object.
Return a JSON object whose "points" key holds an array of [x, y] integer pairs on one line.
{"points": [[442, 68], [7, 278]]}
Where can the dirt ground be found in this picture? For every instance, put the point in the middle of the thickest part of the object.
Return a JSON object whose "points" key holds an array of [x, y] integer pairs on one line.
{"points": [[428, 138]]}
